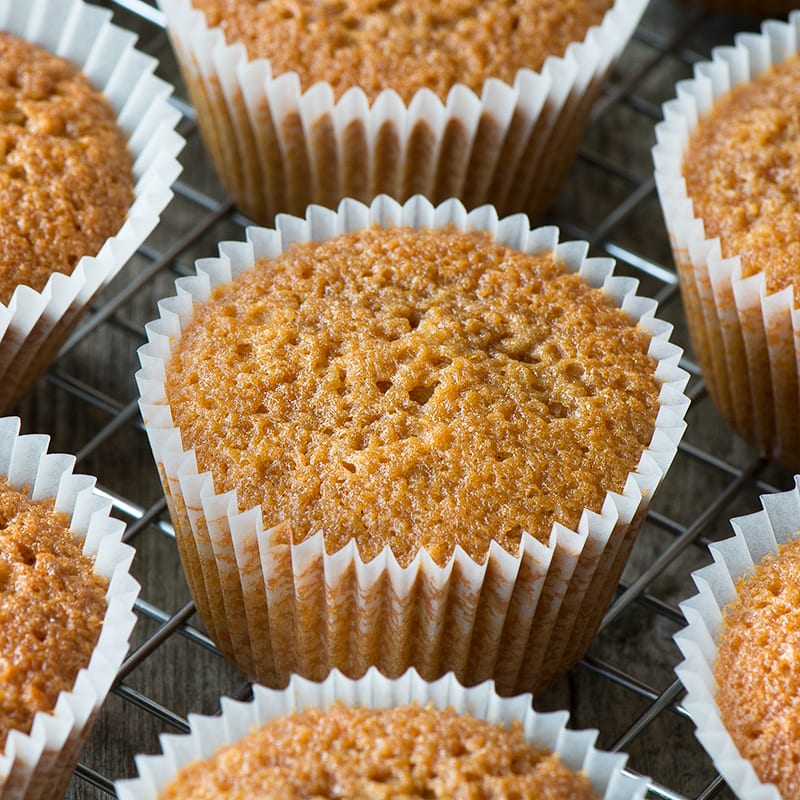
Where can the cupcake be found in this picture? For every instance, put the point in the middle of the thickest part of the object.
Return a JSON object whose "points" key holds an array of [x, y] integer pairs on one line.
{"points": [[410, 436], [88, 154], [727, 172], [66, 612], [307, 102], [381, 738], [740, 670]]}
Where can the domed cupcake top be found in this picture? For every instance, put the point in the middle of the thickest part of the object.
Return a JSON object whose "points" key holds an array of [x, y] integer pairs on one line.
{"points": [[757, 672], [405, 45], [66, 179], [742, 171], [406, 751], [52, 606], [413, 389]]}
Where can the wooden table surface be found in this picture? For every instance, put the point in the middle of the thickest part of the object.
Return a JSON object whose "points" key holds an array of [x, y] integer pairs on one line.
{"points": [[626, 686]]}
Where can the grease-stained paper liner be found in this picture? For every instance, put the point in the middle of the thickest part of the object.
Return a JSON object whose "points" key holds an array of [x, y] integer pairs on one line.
{"points": [[521, 618], [35, 324], [278, 149], [38, 765], [755, 537], [746, 341], [575, 748]]}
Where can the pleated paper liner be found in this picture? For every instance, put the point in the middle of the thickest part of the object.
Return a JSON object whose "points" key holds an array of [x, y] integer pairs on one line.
{"points": [[746, 341], [756, 536], [575, 748], [35, 324], [521, 618], [279, 149], [38, 765]]}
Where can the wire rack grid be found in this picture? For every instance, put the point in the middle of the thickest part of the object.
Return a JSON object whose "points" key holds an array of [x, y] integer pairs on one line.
{"points": [[625, 686]]}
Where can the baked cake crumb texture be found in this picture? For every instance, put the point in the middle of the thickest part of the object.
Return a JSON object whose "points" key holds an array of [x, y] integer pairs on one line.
{"points": [[742, 171], [66, 179], [758, 669], [52, 606], [409, 752], [413, 389], [405, 45]]}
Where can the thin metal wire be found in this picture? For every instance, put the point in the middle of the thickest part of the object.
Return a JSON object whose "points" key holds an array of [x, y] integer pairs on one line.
{"points": [[679, 545], [679, 45]]}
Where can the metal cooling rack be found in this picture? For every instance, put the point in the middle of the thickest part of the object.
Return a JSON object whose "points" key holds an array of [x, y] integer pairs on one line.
{"points": [[625, 686]]}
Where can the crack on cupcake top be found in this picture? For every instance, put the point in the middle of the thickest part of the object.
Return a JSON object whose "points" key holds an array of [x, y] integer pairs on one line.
{"points": [[405, 752], [742, 171], [413, 389], [404, 45], [66, 180], [52, 606]]}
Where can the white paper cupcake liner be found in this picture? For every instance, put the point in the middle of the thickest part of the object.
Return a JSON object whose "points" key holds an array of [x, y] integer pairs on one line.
{"points": [[35, 324], [278, 149], [756, 536], [521, 619], [38, 765], [746, 341], [575, 748]]}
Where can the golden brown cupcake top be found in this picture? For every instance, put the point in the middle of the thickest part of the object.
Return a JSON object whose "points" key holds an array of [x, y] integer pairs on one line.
{"points": [[52, 606], [742, 173], [408, 752], [413, 389], [404, 45], [758, 672], [66, 180]]}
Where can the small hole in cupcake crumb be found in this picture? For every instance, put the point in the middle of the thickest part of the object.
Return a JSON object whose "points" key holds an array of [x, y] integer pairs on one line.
{"points": [[573, 370], [421, 394], [380, 774], [383, 386], [27, 556], [457, 749], [753, 732], [414, 318], [525, 358], [348, 466]]}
